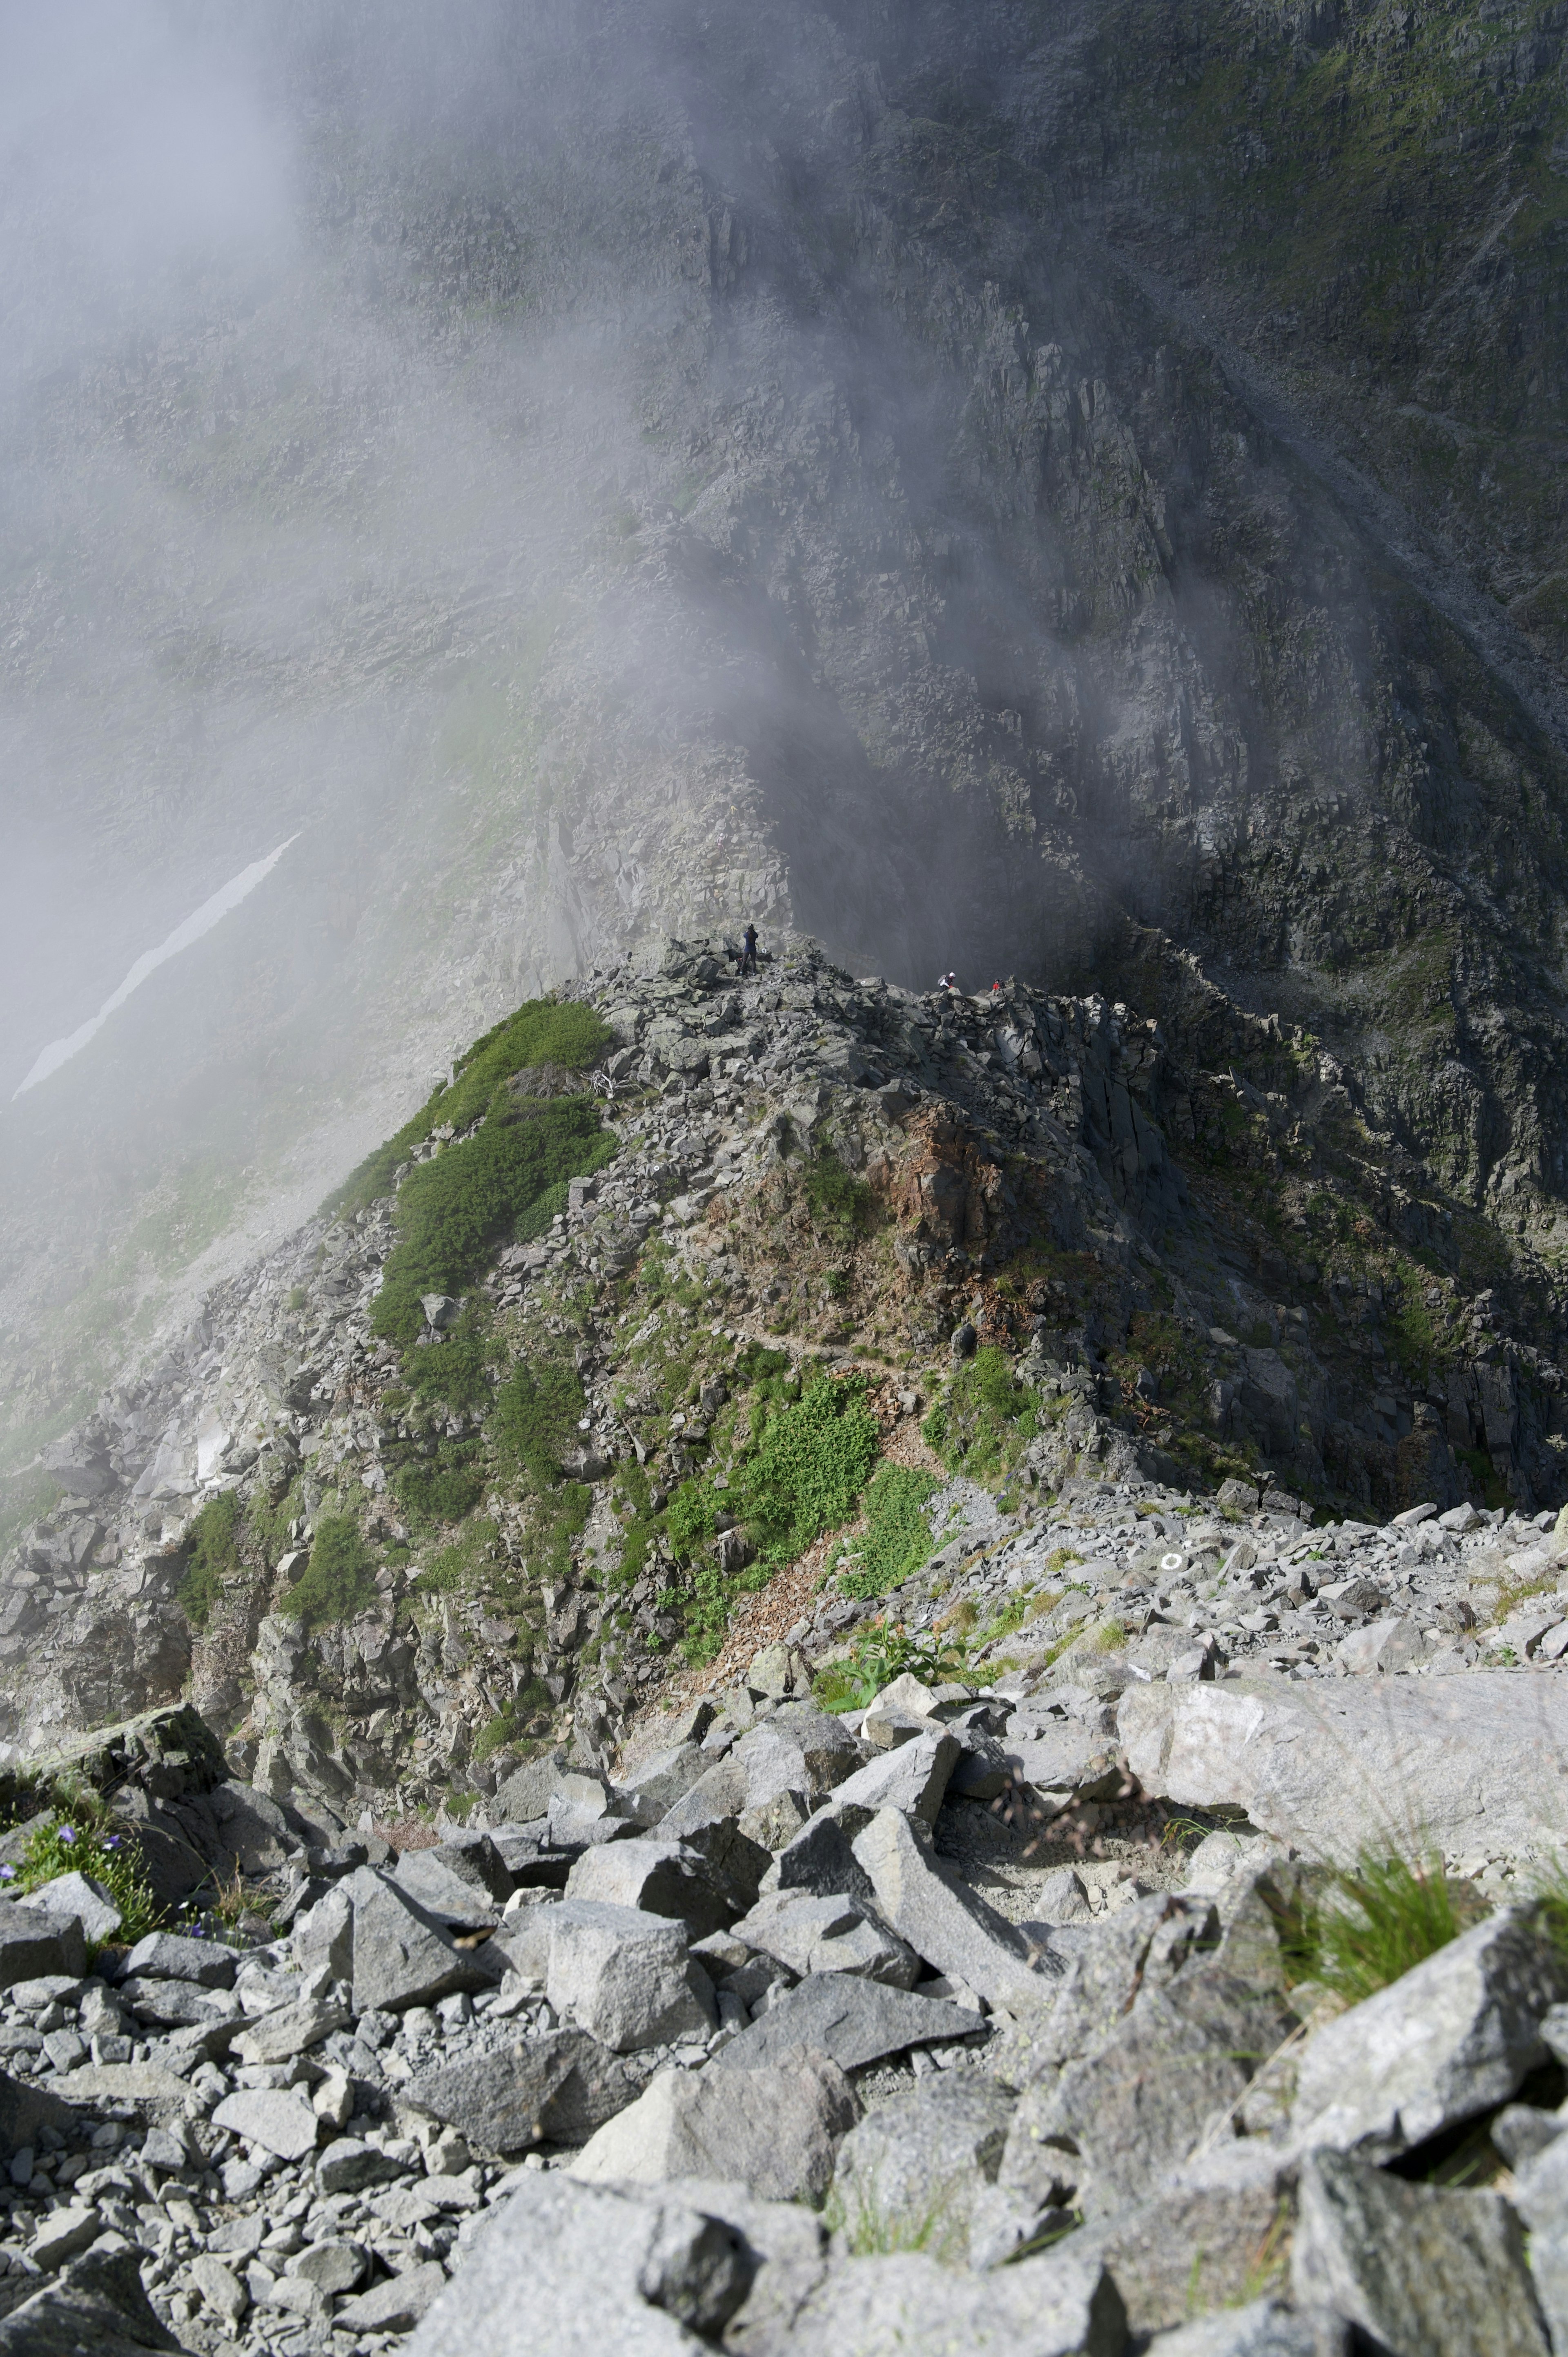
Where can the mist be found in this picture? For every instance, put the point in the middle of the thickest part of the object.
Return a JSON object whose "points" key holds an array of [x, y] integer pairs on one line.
{"points": [[575, 473]]}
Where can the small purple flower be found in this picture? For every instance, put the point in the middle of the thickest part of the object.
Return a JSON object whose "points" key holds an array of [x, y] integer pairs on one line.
{"points": [[112, 1842], [8, 1874], [68, 1832]]}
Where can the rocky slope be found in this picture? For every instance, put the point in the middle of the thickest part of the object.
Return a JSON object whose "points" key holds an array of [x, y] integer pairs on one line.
{"points": [[1089, 1267], [775, 1760], [754, 491]]}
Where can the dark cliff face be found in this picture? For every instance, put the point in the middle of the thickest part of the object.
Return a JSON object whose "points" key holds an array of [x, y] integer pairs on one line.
{"points": [[886, 470]]}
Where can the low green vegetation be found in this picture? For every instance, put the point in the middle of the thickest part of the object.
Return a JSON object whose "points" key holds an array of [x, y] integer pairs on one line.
{"points": [[441, 1486], [1365, 1926], [455, 1371], [339, 1581], [509, 1178], [535, 1418], [878, 1654], [898, 1537], [84, 1839], [984, 1419], [214, 1556], [810, 1460], [542, 1031], [839, 1202]]}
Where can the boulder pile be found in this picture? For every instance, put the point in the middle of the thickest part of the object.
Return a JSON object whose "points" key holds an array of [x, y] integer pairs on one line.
{"points": [[800, 2041]]}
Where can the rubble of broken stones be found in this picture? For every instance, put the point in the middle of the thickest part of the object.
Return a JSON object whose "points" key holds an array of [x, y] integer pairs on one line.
{"points": [[759, 2047], [1159, 1585]]}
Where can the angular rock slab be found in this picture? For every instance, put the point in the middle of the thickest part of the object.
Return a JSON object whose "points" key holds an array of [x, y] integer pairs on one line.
{"points": [[1540, 2197], [911, 2307], [394, 2306], [820, 1860], [1450, 2038], [913, 1778], [275, 2117], [573, 2270], [661, 1878], [943, 1921], [626, 1976], [25, 2107], [402, 1956], [907, 2178], [97, 2304], [852, 2022], [809, 1934], [34, 1943], [81, 1896], [169, 1956], [453, 1898], [1416, 2268], [1215, 2235], [1475, 1764], [557, 2089], [774, 2130]]}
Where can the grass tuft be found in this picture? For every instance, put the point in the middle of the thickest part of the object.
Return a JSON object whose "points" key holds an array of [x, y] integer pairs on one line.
{"points": [[1371, 1923]]}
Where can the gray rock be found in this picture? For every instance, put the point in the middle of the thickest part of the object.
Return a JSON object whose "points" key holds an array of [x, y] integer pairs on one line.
{"points": [[168, 1957], [86, 1900], [325, 1935], [1451, 2039], [1326, 1765], [395, 2305], [24, 2110], [219, 2286], [1206, 2238], [273, 2117], [1413, 2267], [912, 1778], [97, 2304], [852, 2022], [472, 1856], [797, 1753], [820, 1859], [661, 1878], [775, 2129], [402, 1955], [652, 1790], [910, 2305], [1520, 2131], [557, 2089], [332, 2266], [525, 1794], [907, 2177], [171, 2005], [828, 1935], [603, 2271], [1055, 1755], [1264, 2328], [290, 2029], [453, 1899], [626, 1977], [63, 2235], [1540, 2197], [33, 1943], [348, 2165], [1179, 2056], [931, 1907]]}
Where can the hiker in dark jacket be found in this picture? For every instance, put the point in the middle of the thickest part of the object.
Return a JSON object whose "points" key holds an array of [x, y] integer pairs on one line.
{"points": [[748, 951]]}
